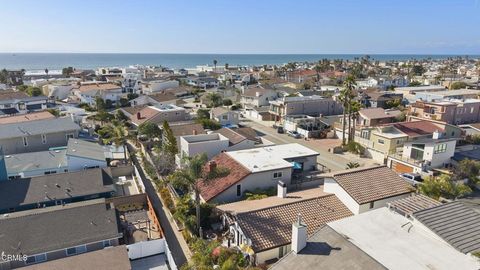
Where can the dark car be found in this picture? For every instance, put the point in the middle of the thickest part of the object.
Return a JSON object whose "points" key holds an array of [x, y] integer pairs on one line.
{"points": [[280, 130]]}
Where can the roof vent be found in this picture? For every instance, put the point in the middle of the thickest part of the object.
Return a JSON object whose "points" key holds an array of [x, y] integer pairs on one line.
{"points": [[57, 185]]}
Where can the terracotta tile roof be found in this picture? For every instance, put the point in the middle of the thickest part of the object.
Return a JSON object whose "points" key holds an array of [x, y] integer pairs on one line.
{"points": [[417, 128], [272, 227], [26, 117], [187, 129], [218, 185], [412, 204], [366, 185], [219, 111], [8, 95], [98, 87], [378, 113], [163, 96], [145, 114], [231, 135]]}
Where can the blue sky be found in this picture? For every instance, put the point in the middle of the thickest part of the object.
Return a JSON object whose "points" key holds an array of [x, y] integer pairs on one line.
{"points": [[241, 26]]}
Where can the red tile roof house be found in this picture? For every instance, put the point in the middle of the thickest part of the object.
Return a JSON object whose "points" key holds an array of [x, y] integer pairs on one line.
{"points": [[369, 188], [258, 168]]}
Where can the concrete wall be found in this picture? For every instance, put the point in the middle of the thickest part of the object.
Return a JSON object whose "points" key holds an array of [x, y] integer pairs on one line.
{"points": [[331, 186], [262, 180], [35, 143], [146, 248]]}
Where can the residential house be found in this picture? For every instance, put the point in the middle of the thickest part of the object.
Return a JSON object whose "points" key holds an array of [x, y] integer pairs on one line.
{"points": [[398, 243], [421, 155], [257, 96], [410, 91], [365, 189], [447, 94], [260, 168], [202, 82], [383, 99], [453, 112], [265, 226], [158, 114], [326, 249], [88, 92], [58, 90], [12, 103], [37, 135], [58, 232], [371, 117], [224, 116], [157, 99], [222, 140], [306, 126], [55, 189], [310, 105], [156, 85]]}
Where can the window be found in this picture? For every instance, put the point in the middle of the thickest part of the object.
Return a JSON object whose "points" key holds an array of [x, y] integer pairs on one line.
{"points": [[225, 117], [76, 250], [239, 190], [69, 136], [380, 141], [277, 175], [25, 141], [372, 204], [106, 243], [36, 258], [44, 138], [440, 148]]}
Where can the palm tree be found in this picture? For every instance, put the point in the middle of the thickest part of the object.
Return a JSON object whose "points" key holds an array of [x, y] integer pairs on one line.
{"points": [[194, 174], [318, 69], [346, 96], [117, 136], [352, 165], [355, 107], [215, 65]]}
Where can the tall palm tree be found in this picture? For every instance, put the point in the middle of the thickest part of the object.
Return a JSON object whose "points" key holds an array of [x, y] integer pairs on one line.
{"points": [[355, 107], [215, 65], [318, 69], [346, 96], [192, 175]]}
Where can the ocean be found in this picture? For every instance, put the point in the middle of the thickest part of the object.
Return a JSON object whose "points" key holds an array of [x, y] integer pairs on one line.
{"points": [[39, 61]]}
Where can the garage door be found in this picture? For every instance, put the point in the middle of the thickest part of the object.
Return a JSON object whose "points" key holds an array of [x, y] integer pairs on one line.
{"points": [[401, 168]]}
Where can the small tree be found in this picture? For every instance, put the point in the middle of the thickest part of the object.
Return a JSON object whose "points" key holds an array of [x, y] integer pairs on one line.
{"points": [[203, 114], [169, 141], [445, 186], [149, 129]]}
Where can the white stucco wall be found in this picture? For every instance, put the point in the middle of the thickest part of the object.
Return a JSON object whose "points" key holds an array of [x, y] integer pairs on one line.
{"points": [[331, 186], [381, 203], [78, 163], [210, 147], [260, 180]]}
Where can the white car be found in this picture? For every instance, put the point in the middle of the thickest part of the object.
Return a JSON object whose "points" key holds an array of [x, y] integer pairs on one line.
{"points": [[413, 178], [293, 134]]}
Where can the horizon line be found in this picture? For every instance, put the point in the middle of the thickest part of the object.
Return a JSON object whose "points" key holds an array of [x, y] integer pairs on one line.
{"points": [[259, 53]]}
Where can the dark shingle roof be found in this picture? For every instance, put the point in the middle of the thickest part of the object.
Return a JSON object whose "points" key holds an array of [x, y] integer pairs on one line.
{"points": [[327, 249], [272, 227], [51, 187], [371, 184], [455, 223], [53, 228]]}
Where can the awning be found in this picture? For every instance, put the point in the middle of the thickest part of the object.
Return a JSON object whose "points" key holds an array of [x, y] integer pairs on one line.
{"points": [[297, 165]]}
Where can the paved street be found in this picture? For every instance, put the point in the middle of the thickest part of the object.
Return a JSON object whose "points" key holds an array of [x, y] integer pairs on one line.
{"points": [[334, 162], [170, 235]]}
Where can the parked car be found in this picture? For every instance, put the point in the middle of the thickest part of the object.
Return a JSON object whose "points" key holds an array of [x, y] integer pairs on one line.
{"points": [[412, 178], [280, 130], [293, 134]]}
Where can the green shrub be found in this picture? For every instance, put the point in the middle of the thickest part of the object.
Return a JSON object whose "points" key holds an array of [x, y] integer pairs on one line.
{"points": [[355, 148], [258, 194]]}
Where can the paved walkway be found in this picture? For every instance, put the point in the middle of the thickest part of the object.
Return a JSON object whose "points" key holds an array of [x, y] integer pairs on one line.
{"points": [[334, 162], [174, 238]]}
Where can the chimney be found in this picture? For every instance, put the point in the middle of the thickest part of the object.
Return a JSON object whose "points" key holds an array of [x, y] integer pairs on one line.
{"points": [[212, 165], [139, 115], [281, 190], [299, 235], [436, 135], [194, 132], [257, 94]]}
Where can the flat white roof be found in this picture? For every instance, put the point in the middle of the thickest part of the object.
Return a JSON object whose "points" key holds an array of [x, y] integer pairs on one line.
{"points": [[271, 157], [380, 234]]}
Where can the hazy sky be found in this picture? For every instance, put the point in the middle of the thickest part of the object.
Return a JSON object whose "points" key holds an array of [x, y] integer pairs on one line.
{"points": [[241, 26]]}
